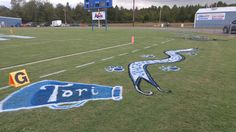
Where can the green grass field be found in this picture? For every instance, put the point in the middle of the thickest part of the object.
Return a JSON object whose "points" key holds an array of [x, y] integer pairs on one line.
{"points": [[203, 93]]}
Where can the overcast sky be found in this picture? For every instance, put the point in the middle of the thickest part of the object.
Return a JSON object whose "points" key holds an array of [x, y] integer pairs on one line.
{"points": [[139, 3]]}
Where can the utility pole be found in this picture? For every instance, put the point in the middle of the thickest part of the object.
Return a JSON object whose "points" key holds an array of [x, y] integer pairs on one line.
{"points": [[133, 12], [65, 16], [160, 17]]}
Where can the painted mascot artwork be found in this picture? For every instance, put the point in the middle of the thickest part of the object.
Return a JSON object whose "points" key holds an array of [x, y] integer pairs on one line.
{"points": [[138, 70], [66, 95], [58, 95]]}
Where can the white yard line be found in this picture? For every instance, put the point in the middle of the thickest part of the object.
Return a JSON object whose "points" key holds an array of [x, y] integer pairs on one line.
{"points": [[147, 47], [167, 41], [155, 44], [46, 41], [123, 54], [107, 58], [2, 88], [55, 58], [54, 73], [135, 50], [64, 56], [85, 64]]}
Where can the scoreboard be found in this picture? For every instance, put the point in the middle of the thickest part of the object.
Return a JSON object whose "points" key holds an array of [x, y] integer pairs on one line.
{"points": [[96, 4]]}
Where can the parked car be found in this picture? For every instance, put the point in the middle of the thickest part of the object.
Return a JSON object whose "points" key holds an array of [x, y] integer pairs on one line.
{"points": [[75, 25], [56, 23], [29, 24], [231, 28], [45, 24]]}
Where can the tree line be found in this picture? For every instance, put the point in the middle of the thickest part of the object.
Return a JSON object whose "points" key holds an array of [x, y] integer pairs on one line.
{"points": [[39, 11]]}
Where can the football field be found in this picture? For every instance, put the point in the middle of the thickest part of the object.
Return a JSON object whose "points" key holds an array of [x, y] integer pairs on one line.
{"points": [[203, 91]]}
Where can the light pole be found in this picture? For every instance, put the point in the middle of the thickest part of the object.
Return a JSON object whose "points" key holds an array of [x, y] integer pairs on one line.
{"points": [[132, 38], [65, 16], [160, 17], [133, 12]]}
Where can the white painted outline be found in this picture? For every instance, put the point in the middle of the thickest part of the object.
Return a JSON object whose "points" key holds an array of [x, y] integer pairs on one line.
{"points": [[60, 57], [121, 92], [112, 69], [54, 73], [83, 65]]}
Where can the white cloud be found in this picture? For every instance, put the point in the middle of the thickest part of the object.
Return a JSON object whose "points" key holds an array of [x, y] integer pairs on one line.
{"points": [[71, 2]]}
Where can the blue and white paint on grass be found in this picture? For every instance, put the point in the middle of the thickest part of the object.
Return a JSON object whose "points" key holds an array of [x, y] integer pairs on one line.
{"points": [[7, 37], [114, 69], [138, 70], [148, 56], [3, 39], [58, 95], [169, 68]]}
